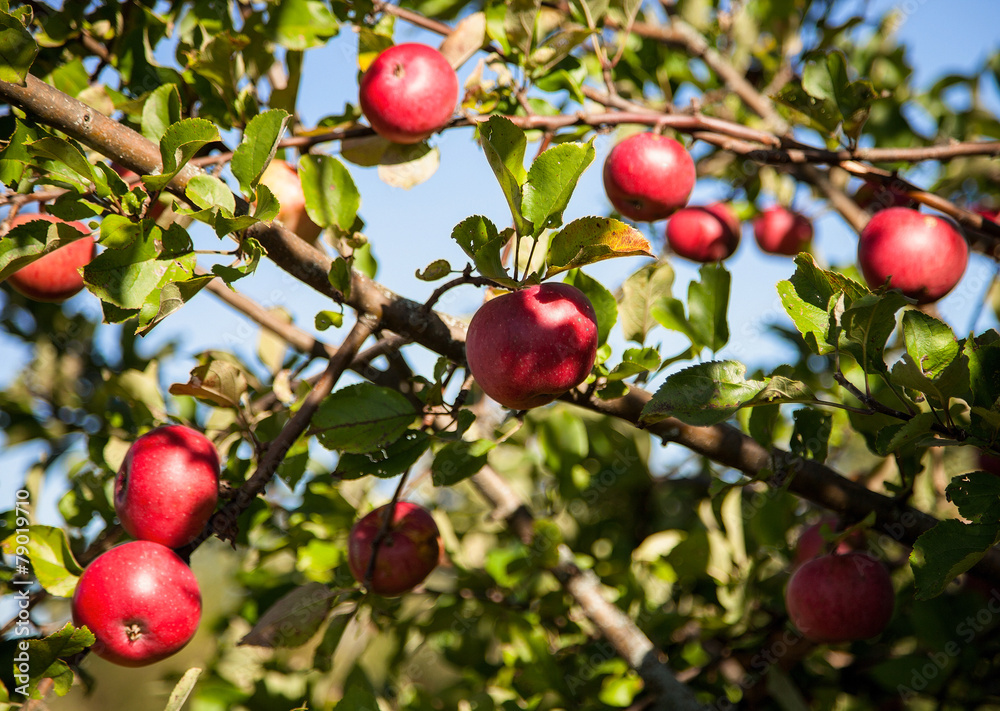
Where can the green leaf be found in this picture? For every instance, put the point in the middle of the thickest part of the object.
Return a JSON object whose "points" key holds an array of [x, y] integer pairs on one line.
{"points": [[551, 181], [895, 437], [217, 382], [438, 269], [176, 288], [180, 142], [323, 658], [52, 560], [29, 241], [340, 276], [929, 342], [332, 198], [635, 361], [709, 393], [161, 111], [669, 313], [182, 690], [808, 298], [362, 418], [640, 292], [457, 461], [392, 460], [293, 619], [519, 23], [125, 277], [708, 305], [408, 165], [478, 238], [301, 24], [826, 79], [947, 550], [593, 239], [210, 193], [984, 369], [328, 319], [811, 434], [15, 135], [602, 300], [17, 50], [260, 140], [556, 48], [62, 151], [46, 657], [867, 324], [977, 496], [504, 145], [118, 231]]}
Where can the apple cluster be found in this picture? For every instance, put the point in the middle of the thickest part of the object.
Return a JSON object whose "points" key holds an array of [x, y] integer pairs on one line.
{"points": [[840, 596], [140, 599]]}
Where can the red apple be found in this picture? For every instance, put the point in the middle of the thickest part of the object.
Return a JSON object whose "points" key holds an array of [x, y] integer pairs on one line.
{"points": [[648, 177], [283, 180], [878, 196], [811, 542], [704, 234], [56, 276], [407, 554], [131, 177], [408, 92], [779, 230], [840, 598], [168, 485], [528, 347], [924, 255], [140, 600]]}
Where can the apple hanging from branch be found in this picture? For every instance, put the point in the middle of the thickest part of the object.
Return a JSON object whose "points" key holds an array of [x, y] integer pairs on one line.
{"points": [[55, 276]]}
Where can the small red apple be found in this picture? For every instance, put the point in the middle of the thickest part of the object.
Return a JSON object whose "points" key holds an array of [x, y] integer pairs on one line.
{"points": [[283, 180], [648, 177], [704, 234], [56, 276], [779, 230], [168, 485], [811, 542], [924, 255], [878, 196], [840, 598], [408, 92], [140, 600], [528, 347], [154, 210], [407, 554]]}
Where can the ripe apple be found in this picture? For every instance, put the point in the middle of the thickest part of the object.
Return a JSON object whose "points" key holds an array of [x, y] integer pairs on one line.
{"points": [[779, 230], [840, 598], [812, 544], [408, 92], [168, 485], [874, 197], [283, 180], [154, 210], [648, 177], [407, 554], [924, 255], [140, 600], [528, 347], [56, 276], [704, 234]]}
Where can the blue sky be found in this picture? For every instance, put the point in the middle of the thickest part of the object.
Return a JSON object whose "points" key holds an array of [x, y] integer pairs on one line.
{"points": [[408, 229]]}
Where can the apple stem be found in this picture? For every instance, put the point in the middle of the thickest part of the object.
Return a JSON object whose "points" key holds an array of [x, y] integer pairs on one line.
{"points": [[384, 529]]}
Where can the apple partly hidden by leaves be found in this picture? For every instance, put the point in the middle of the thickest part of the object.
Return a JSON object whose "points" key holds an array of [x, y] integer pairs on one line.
{"points": [[56, 276], [704, 234], [140, 600], [408, 92], [282, 179], [648, 177], [528, 347], [779, 230], [406, 555], [873, 197], [168, 485], [840, 598], [924, 256]]}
